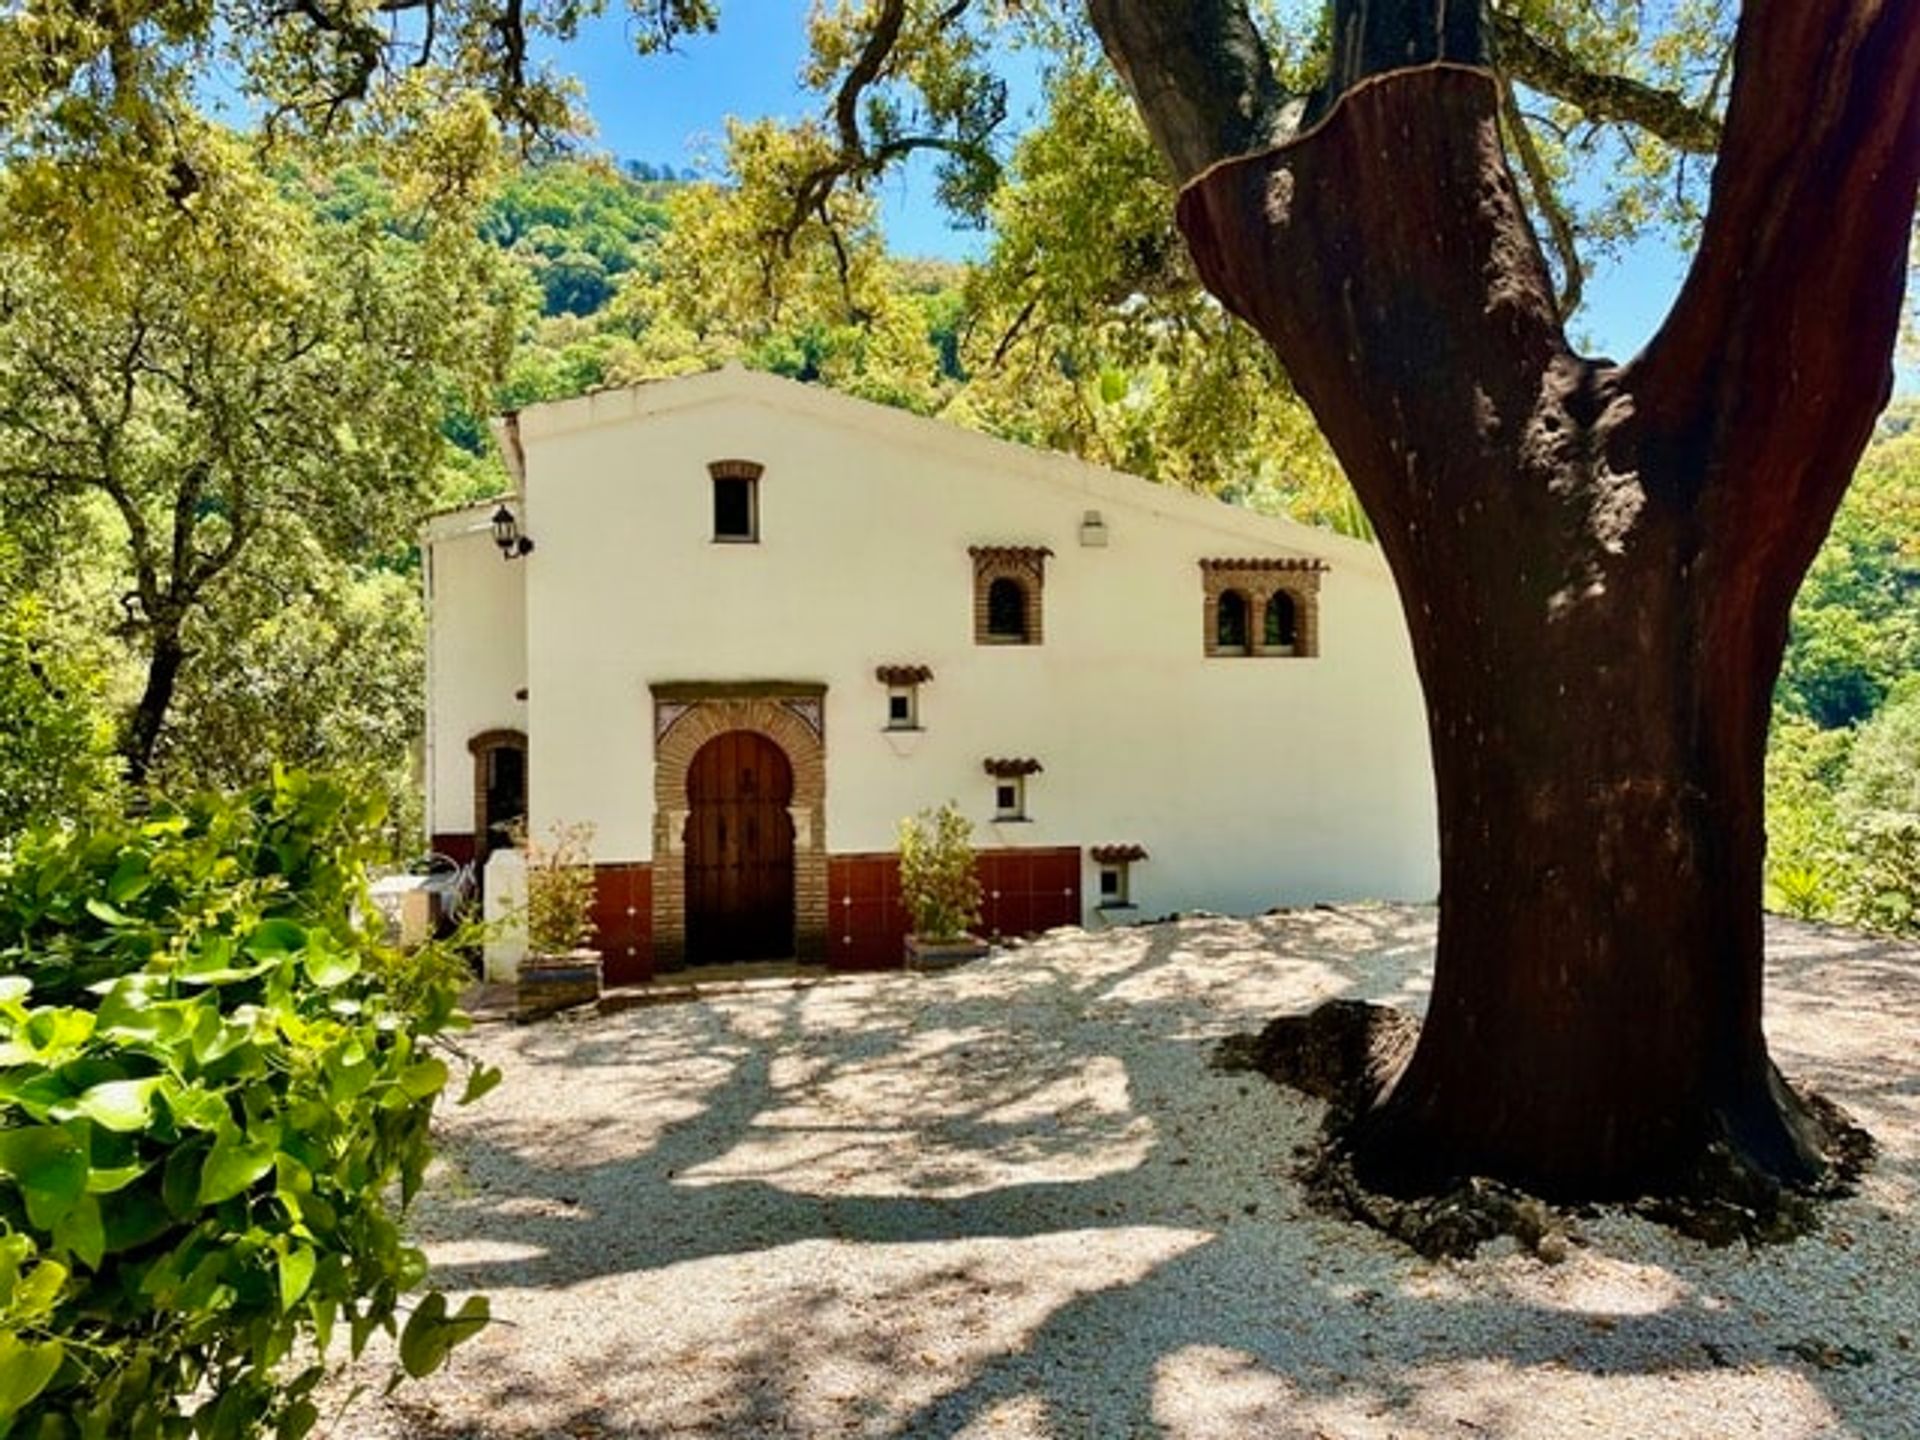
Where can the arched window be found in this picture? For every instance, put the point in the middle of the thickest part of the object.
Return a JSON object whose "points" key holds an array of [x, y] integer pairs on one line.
{"points": [[1007, 610], [1282, 631], [1230, 625]]}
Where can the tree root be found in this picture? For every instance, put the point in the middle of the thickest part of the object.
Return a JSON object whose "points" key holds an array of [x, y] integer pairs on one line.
{"points": [[1346, 1052]]}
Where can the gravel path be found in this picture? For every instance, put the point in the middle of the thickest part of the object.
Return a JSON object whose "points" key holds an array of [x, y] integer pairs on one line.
{"points": [[1012, 1200]]}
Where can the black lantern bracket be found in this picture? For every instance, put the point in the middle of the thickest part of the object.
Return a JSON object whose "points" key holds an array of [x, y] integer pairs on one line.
{"points": [[506, 534]]}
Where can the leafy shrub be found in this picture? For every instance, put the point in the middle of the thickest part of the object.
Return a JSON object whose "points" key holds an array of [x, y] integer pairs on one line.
{"points": [[560, 891], [937, 880], [211, 1079]]}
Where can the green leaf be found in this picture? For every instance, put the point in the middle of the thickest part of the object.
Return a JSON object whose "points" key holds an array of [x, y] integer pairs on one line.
{"points": [[480, 1080], [232, 1165], [49, 1166], [296, 1274], [424, 1078], [107, 915], [328, 967], [121, 1105], [430, 1332], [134, 1217], [130, 877], [81, 1231], [108, 1181], [275, 939], [25, 1369]]}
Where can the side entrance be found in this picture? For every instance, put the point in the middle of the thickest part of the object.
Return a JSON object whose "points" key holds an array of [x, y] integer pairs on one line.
{"points": [[739, 850]]}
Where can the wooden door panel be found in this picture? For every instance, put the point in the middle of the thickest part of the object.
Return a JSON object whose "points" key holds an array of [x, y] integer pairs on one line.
{"points": [[739, 850]]}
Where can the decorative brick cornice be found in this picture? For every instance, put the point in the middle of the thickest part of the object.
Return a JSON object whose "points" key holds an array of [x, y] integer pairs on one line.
{"points": [[736, 469], [1266, 563], [1007, 769], [903, 674], [1117, 854], [1034, 557]]}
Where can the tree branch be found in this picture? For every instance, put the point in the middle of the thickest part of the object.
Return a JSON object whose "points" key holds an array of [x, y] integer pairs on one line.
{"points": [[1200, 76], [1524, 56], [1559, 226], [1788, 316], [856, 160]]}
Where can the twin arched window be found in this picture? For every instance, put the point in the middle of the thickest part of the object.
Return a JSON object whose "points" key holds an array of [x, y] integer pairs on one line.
{"points": [[1234, 625]]}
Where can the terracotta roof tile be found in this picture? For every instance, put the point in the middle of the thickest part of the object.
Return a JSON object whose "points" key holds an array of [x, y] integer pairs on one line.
{"points": [[1003, 769]]}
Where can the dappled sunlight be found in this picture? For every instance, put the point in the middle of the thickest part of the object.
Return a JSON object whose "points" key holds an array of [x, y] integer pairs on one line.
{"points": [[1016, 1200], [830, 1351], [955, 1132]]}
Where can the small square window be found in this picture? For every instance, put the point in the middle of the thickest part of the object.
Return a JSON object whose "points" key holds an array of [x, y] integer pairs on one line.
{"points": [[1116, 891], [1109, 882], [736, 511], [1009, 798], [902, 708]]}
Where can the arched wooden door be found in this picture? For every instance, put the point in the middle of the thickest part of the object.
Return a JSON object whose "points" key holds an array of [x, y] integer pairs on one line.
{"points": [[739, 850]]}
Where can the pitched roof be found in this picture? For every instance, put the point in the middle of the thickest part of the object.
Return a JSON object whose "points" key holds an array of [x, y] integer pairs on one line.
{"points": [[1092, 483]]}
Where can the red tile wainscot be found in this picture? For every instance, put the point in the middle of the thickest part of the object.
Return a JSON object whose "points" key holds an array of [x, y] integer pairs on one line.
{"points": [[623, 920], [1022, 891]]}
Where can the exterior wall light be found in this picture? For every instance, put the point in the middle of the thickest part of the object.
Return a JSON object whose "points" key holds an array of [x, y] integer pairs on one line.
{"points": [[506, 534]]}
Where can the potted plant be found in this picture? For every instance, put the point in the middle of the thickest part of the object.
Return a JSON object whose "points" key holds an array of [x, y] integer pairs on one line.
{"points": [[561, 969], [939, 888]]}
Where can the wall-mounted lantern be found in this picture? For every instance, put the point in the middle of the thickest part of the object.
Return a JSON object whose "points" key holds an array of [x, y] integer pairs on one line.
{"points": [[1093, 529], [506, 534]]}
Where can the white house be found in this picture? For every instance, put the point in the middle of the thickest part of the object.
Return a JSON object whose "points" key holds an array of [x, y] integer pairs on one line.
{"points": [[741, 626]]}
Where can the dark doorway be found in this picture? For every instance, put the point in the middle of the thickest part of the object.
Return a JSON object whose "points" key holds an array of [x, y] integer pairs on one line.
{"points": [[739, 851], [503, 796]]}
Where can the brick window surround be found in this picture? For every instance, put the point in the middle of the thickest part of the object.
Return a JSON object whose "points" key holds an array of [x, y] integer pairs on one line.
{"points": [[1257, 581], [1025, 566], [686, 716]]}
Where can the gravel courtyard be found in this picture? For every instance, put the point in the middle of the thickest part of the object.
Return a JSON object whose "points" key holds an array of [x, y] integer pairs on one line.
{"points": [[1012, 1200]]}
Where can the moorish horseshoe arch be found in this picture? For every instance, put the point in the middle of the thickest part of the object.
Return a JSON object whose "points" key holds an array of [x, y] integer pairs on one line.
{"points": [[686, 717]]}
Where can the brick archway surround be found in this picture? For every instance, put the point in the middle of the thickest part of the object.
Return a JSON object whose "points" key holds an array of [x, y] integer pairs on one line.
{"points": [[681, 727]]}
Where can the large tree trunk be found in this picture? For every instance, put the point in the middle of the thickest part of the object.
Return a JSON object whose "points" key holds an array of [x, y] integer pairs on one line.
{"points": [[1596, 561]]}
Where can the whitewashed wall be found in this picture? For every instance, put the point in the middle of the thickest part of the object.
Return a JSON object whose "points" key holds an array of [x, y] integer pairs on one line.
{"points": [[1251, 781], [476, 657]]}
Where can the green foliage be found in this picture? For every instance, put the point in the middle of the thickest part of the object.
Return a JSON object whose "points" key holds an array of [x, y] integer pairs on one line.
{"points": [[56, 743], [215, 1082], [1856, 623], [578, 228], [1805, 845], [228, 386], [1879, 806], [1843, 797], [937, 879], [322, 668], [560, 890]]}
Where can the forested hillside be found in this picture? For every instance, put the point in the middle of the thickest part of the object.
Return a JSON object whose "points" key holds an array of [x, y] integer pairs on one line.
{"points": [[1079, 330]]}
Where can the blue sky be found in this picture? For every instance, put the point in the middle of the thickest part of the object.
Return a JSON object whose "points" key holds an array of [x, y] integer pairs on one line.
{"points": [[672, 109]]}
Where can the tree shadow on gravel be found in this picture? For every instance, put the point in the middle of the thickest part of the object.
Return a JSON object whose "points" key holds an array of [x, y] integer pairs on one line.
{"points": [[1025, 1259]]}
